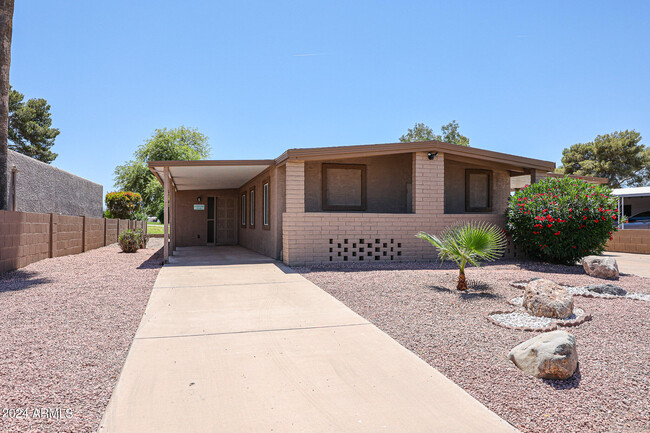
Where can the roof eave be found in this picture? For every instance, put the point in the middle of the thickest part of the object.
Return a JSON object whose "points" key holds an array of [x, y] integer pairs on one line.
{"points": [[394, 148]]}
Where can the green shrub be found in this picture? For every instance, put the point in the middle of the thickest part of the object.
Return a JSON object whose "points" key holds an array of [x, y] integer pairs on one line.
{"points": [[161, 215], [123, 204], [130, 241], [561, 220]]}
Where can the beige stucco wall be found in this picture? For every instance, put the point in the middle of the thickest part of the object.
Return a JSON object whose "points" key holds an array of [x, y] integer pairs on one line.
{"points": [[455, 187], [314, 237], [387, 179], [191, 225]]}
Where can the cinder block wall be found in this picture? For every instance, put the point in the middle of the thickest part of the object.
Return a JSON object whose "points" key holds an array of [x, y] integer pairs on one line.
{"points": [[630, 241], [94, 236], [111, 231], [321, 237], [24, 239], [67, 235], [43, 188], [29, 237]]}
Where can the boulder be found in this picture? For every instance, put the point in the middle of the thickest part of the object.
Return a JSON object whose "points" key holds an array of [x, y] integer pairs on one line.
{"points": [[544, 298], [607, 289], [601, 267], [551, 355]]}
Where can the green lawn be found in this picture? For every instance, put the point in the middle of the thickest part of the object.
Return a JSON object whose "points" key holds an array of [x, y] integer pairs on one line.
{"points": [[154, 228]]}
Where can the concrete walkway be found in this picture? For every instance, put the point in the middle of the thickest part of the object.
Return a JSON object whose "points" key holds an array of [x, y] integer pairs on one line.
{"points": [[232, 341], [628, 263]]}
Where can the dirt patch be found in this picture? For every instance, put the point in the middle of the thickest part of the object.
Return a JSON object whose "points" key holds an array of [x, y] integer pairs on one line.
{"points": [[418, 305], [67, 324]]}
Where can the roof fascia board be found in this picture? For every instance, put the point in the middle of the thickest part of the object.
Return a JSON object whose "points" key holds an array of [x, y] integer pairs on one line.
{"points": [[392, 148], [211, 163]]}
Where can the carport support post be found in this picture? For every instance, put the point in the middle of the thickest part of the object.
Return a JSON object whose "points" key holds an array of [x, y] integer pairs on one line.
{"points": [[166, 214], [172, 215]]}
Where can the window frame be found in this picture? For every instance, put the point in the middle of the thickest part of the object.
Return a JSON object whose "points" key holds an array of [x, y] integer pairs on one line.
{"points": [[266, 204], [242, 210], [251, 207], [468, 173], [364, 187]]}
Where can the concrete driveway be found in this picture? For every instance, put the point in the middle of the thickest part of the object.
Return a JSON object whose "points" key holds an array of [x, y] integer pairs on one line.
{"points": [[232, 341], [628, 263]]}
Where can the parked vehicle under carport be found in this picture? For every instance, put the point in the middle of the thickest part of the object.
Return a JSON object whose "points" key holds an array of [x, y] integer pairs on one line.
{"points": [[638, 221]]}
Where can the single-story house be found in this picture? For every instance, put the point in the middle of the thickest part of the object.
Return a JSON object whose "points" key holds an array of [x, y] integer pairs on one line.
{"points": [[328, 204], [33, 186]]}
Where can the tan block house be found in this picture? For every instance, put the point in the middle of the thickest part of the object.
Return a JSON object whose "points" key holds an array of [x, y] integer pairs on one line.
{"points": [[330, 204]]}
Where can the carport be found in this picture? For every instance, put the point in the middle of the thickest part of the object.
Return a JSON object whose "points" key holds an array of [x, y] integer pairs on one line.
{"points": [[211, 187]]}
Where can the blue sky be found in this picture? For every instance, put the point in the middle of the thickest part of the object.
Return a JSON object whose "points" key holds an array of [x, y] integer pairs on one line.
{"points": [[258, 77]]}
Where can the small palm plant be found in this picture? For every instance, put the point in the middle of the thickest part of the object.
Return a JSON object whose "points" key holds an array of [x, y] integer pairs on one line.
{"points": [[471, 242]]}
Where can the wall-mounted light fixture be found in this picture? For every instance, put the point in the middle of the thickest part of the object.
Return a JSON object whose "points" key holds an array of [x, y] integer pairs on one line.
{"points": [[432, 155], [198, 198]]}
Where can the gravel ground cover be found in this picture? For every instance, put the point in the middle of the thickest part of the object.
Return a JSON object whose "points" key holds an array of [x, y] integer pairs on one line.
{"points": [[67, 324], [417, 304]]}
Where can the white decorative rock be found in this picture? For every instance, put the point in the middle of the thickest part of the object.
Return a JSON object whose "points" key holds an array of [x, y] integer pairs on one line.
{"points": [[551, 355], [601, 267], [544, 298]]}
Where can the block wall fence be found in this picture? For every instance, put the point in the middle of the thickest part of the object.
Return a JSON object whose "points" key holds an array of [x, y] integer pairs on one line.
{"points": [[630, 241], [29, 237]]}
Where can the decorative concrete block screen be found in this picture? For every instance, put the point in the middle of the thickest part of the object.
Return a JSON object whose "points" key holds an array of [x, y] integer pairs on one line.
{"points": [[361, 249], [630, 241], [29, 237]]}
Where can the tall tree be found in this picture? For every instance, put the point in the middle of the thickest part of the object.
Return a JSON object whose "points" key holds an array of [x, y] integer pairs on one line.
{"points": [[422, 132], [619, 156], [30, 127], [6, 26], [182, 143], [451, 135]]}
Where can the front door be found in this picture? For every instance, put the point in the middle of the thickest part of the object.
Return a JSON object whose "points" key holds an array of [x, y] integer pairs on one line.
{"points": [[226, 218], [212, 221]]}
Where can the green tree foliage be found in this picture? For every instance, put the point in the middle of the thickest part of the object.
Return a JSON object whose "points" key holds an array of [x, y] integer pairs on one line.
{"points": [[30, 127], [421, 132], [471, 242], [181, 143], [618, 156], [123, 204], [561, 220]]}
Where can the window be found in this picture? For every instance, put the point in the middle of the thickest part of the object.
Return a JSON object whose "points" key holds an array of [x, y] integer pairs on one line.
{"points": [[251, 206], [265, 209], [243, 210], [344, 187], [478, 190]]}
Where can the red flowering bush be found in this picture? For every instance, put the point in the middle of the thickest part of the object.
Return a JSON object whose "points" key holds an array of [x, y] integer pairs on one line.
{"points": [[123, 204], [561, 220]]}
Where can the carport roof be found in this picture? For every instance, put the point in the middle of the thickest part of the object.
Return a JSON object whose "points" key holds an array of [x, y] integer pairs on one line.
{"points": [[641, 191], [197, 175]]}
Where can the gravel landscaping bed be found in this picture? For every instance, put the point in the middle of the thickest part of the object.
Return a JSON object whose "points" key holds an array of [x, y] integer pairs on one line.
{"points": [[417, 304], [67, 324]]}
